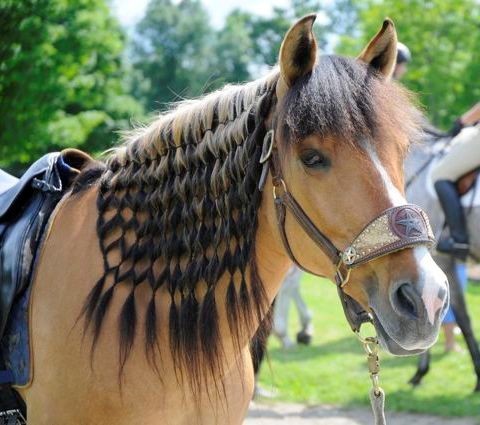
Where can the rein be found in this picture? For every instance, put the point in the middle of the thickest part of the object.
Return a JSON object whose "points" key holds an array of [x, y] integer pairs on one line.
{"points": [[394, 229]]}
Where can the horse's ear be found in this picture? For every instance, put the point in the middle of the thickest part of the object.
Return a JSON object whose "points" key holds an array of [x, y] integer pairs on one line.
{"points": [[381, 52], [297, 53]]}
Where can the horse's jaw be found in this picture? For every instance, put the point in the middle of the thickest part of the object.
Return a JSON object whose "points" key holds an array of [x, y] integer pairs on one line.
{"points": [[389, 344]]}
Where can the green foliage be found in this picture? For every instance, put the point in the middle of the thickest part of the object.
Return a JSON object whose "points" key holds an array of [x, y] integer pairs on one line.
{"points": [[63, 80], [177, 54], [173, 51], [61, 77], [233, 48], [333, 369], [444, 39]]}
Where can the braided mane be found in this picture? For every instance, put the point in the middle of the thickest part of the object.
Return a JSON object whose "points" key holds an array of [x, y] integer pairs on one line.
{"points": [[178, 205]]}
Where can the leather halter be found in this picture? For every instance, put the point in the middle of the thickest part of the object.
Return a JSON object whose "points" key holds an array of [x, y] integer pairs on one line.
{"points": [[396, 228]]}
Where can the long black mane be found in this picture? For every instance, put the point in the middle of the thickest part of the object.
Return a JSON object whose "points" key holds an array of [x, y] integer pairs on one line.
{"points": [[179, 218]]}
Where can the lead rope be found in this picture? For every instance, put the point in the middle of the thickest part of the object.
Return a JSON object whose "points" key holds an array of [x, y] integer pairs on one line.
{"points": [[371, 346], [377, 395]]}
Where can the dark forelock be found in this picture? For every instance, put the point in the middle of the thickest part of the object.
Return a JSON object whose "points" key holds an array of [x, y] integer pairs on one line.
{"points": [[345, 98]]}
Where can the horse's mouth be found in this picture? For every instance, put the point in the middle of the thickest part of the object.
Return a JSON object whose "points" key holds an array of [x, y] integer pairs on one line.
{"points": [[388, 343]]}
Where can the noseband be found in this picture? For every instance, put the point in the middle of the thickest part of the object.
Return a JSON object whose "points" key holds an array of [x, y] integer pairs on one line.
{"points": [[394, 229]]}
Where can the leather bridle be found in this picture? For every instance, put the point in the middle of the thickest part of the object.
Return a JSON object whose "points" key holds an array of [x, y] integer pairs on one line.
{"points": [[396, 228]]}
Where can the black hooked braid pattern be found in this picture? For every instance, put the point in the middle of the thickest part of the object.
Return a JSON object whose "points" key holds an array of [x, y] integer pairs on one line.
{"points": [[181, 221]]}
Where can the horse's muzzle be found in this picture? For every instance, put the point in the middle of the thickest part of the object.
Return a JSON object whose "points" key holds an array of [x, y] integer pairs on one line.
{"points": [[408, 320]]}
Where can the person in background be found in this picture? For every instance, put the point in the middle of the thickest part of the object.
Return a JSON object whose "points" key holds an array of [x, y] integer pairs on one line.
{"points": [[290, 292], [462, 158]]}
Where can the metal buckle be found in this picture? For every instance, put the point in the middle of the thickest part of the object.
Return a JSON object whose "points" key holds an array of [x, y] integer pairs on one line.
{"points": [[342, 277], [349, 256], [12, 416], [267, 146], [275, 187], [44, 186], [371, 347]]}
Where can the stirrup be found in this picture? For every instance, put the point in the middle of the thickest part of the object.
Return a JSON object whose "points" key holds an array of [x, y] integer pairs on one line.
{"points": [[459, 250]]}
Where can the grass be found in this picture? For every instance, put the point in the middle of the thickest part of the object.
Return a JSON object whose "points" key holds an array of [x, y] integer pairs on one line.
{"points": [[333, 369]]}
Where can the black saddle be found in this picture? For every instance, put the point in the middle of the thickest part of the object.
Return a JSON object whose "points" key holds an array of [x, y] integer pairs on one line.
{"points": [[25, 207]]}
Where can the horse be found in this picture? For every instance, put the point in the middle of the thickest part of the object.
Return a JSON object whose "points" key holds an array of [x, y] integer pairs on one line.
{"points": [[159, 265], [420, 190]]}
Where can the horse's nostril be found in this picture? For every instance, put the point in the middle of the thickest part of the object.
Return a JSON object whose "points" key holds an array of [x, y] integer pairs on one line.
{"points": [[407, 300], [442, 293]]}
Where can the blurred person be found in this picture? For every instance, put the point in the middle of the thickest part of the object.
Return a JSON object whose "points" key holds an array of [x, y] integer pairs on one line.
{"points": [[290, 292], [462, 158]]}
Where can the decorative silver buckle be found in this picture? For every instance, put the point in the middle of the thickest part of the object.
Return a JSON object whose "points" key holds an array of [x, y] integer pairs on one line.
{"points": [[349, 256], [267, 146]]}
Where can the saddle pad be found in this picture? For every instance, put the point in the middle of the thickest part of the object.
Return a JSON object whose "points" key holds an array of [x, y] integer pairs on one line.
{"points": [[15, 343]]}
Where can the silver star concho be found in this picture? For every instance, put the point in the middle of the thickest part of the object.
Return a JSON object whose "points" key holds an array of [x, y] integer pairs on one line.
{"points": [[412, 223], [349, 255]]}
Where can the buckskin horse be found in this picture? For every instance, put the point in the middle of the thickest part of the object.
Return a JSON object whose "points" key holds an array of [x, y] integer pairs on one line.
{"points": [[159, 265]]}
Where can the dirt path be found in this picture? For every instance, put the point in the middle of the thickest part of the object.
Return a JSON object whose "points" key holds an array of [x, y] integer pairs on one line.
{"points": [[298, 414]]}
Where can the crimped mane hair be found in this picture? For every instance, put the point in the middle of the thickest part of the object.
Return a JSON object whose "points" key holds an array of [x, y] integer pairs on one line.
{"points": [[178, 205]]}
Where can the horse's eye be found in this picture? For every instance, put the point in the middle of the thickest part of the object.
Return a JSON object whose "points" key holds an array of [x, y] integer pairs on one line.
{"points": [[312, 158]]}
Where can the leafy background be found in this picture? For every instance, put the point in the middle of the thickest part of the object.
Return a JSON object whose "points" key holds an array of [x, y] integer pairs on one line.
{"points": [[71, 76]]}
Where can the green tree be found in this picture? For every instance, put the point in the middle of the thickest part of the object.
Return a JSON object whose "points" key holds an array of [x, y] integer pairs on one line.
{"points": [[172, 51], [233, 49], [444, 38], [61, 77], [266, 33]]}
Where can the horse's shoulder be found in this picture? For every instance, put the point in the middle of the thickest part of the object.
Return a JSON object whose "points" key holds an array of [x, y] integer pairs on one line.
{"points": [[75, 217]]}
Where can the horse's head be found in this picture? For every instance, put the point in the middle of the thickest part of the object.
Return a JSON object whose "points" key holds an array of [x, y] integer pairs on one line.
{"points": [[342, 129]]}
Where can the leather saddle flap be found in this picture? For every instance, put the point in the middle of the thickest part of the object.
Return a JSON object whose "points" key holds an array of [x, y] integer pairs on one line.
{"points": [[53, 169], [25, 208]]}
